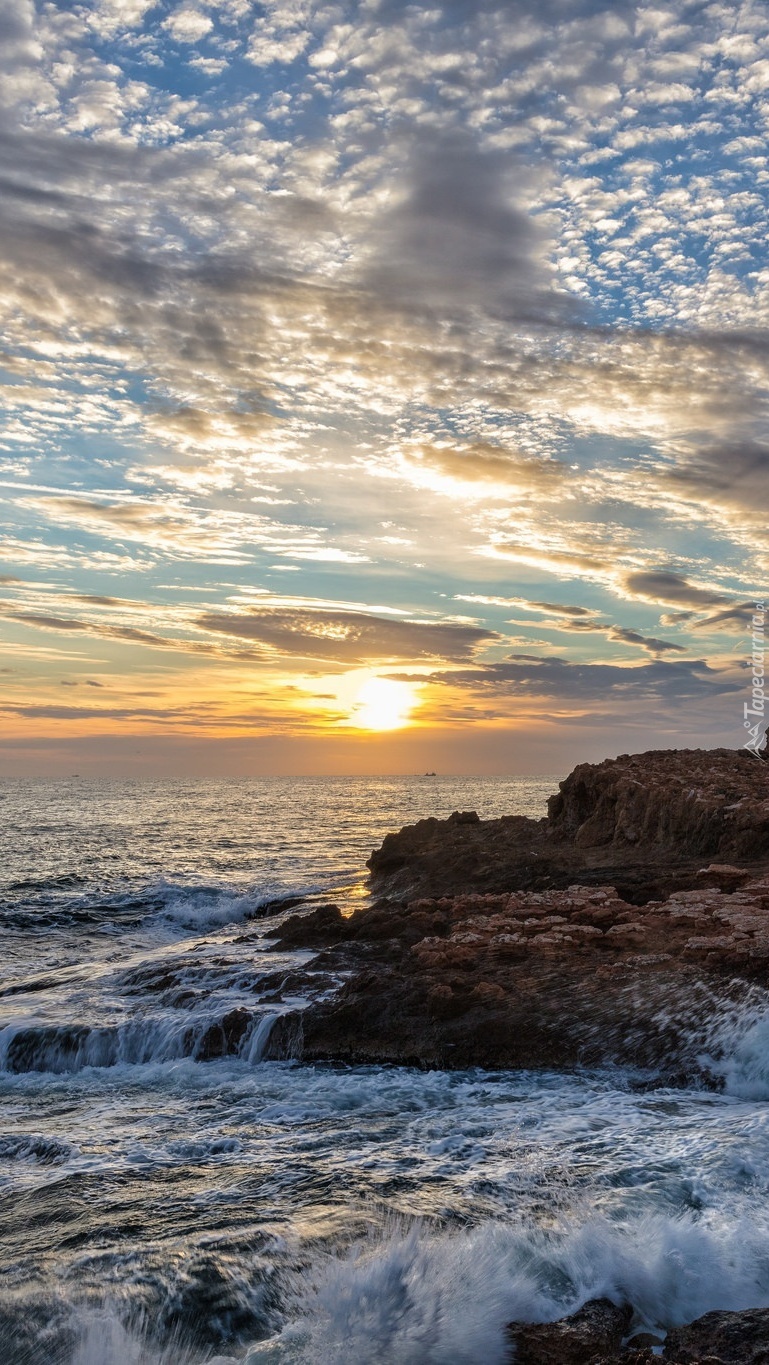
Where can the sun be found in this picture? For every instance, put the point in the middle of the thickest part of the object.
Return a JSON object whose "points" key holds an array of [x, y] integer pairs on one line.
{"points": [[382, 704]]}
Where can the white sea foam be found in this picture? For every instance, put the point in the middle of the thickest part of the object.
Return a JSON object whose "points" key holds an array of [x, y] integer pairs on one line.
{"points": [[429, 1297], [745, 1068], [446, 1299], [57, 1050], [201, 907], [104, 1339]]}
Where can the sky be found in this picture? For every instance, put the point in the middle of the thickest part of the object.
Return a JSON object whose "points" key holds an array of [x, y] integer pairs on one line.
{"points": [[384, 385]]}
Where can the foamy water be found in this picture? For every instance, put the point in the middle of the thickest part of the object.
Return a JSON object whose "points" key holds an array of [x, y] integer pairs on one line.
{"points": [[163, 1208]]}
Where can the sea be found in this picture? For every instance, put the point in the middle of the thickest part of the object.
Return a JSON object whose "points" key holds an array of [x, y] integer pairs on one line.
{"points": [[160, 1205]]}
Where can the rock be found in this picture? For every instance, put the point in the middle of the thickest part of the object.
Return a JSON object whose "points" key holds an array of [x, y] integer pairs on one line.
{"points": [[493, 963], [694, 801], [725, 876], [723, 1338], [223, 1038], [597, 1329], [325, 924], [536, 979], [643, 822]]}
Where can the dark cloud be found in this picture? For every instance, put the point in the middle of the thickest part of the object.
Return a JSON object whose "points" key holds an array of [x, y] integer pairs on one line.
{"points": [[97, 600], [72, 623], [574, 624], [32, 618], [625, 636], [529, 676], [665, 586], [732, 476], [349, 637], [733, 619], [558, 608], [457, 240], [53, 712], [581, 620]]}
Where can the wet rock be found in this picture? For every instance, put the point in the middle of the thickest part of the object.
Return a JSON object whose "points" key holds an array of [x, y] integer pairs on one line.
{"points": [[317, 928], [595, 1331], [223, 1038], [723, 1338], [556, 978]]}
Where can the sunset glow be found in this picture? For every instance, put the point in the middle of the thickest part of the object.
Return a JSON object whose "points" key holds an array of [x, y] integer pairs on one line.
{"points": [[367, 342], [383, 705]]}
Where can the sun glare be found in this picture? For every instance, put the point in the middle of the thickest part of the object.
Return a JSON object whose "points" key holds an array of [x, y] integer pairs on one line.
{"points": [[383, 705]]}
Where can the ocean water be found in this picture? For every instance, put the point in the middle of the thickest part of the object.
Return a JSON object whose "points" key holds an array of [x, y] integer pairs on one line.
{"points": [[162, 1207]]}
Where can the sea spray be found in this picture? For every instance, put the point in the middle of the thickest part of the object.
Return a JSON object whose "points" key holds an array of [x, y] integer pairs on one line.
{"points": [[439, 1298]]}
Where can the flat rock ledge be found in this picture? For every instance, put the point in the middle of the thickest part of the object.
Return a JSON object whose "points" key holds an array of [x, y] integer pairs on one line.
{"points": [[578, 977]]}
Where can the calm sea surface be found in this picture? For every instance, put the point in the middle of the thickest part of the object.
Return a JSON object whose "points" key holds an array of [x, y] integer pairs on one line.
{"points": [[156, 1206]]}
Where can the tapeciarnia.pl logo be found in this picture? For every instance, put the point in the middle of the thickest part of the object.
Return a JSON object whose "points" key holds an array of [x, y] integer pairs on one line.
{"points": [[755, 710]]}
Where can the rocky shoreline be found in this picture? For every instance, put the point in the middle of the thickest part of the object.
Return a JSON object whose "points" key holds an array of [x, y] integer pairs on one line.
{"points": [[617, 930], [630, 927]]}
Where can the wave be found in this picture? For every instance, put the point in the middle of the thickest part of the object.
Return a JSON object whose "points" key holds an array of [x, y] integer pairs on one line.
{"points": [[68, 1048], [745, 1069], [197, 907], [34, 1147], [425, 1296]]}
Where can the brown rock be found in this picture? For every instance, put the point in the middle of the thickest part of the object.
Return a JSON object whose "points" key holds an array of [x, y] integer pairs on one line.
{"points": [[724, 1338], [641, 821], [693, 801], [596, 1330], [725, 876], [496, 961], [487, 992]]}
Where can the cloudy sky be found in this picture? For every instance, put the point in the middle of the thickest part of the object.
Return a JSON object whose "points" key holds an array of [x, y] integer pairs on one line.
{"points": [[384, 384]]}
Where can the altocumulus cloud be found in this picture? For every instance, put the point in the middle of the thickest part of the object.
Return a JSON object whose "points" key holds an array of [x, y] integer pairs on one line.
{"points": [[463, 301]]}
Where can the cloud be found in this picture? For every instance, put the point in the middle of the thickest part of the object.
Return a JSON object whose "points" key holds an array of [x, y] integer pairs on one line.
{"points": [[188, 25], [576, 562], [347, 637], [183, 530], [731, 478], [624, 635], [491, 270], [483, 463], [734, 619], [555, 608], [668, 588], [592, 683], [73, 624], [455, 238]]}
